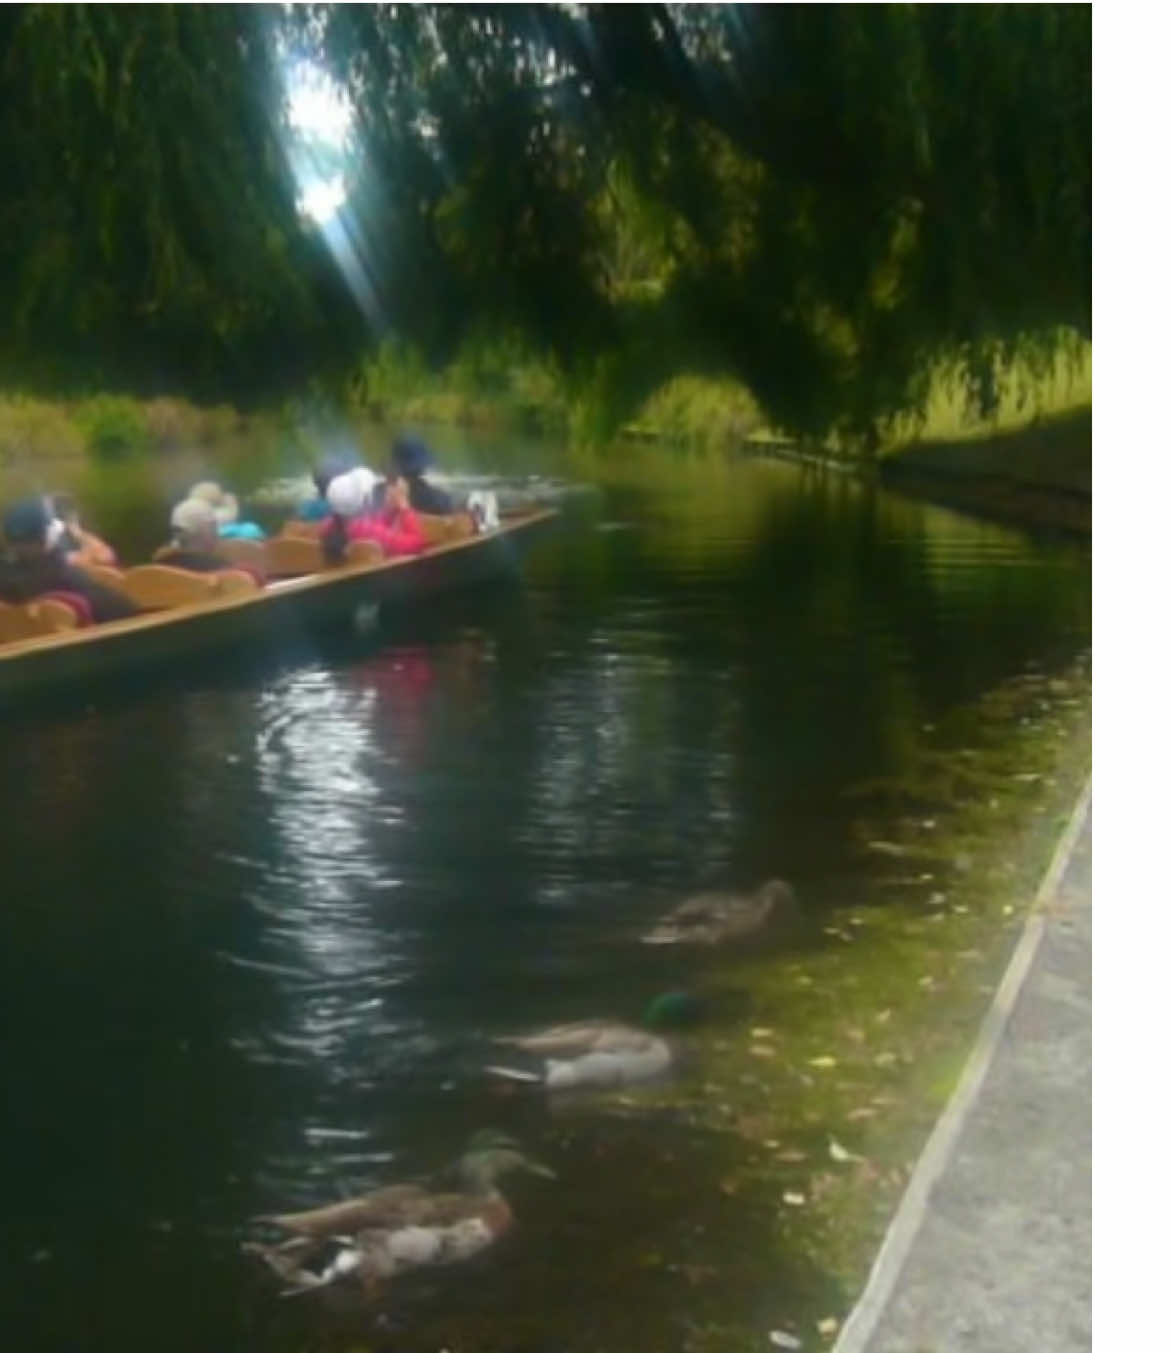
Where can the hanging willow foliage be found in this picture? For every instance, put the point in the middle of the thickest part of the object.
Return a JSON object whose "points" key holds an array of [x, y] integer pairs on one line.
{"points": [[817, 200]]}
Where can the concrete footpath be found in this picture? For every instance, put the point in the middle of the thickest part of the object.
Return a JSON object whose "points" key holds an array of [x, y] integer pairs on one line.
{"points": [[990, 1250]]}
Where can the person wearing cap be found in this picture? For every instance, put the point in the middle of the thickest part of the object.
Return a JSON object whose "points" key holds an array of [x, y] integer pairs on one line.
{"points": [[196, 536], [411, 459], [227, 512], [317, 509], [354, 499], [31, 565]]}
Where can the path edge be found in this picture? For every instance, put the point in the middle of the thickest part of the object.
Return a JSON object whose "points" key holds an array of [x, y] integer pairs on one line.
{"points": [[940, 1145]]}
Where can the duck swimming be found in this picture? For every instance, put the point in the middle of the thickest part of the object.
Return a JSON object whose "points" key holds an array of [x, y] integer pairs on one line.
{"points": [[379, 1235], [601, 1053], [715, 918]]}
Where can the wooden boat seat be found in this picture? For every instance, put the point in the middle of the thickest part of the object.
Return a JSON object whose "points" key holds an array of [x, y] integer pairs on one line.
{"points": [[158, 587], [104, 574], [364, 552], [34, 619], [249, 553], [288, 556], [300, 530], [441, 530]]}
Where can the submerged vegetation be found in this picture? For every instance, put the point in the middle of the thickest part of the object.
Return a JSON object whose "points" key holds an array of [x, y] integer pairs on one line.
{"points": [[820, 204]]}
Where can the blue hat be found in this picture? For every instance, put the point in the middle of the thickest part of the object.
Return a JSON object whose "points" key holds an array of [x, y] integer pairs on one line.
{"points": [[410, 454], [26, 522], [331, 465]]}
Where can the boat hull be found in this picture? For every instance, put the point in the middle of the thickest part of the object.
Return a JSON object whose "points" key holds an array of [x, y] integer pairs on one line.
{"points": [[269, 617]]}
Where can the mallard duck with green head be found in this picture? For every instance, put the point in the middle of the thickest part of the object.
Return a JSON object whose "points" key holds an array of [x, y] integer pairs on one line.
{"points": [[380, 1235], [717, 918], [603, 1053]]}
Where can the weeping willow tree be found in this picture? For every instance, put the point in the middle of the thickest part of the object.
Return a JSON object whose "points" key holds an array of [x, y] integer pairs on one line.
{"points": [[149, 232], [816, 200]]}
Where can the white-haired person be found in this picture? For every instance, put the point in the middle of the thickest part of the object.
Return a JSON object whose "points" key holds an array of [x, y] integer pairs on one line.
{"points": [[194, 538], [227, 512]]}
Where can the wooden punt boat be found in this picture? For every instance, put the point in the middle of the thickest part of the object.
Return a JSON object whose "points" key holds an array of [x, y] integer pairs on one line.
{"points": [[226, 616]]}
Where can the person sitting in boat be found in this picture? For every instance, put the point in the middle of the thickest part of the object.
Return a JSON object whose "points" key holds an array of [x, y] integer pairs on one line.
{"points": [[227, 513], [411, 459], [32, 565], [317, 509], [358, 514], [78, 545], [196, 536]]}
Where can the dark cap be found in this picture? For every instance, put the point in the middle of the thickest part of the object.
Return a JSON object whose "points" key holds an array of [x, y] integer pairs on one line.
{"points": [[410, 454], [26, 522]]}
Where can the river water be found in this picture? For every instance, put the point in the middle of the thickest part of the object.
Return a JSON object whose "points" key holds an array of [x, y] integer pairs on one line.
{"points": [[260, 916]]}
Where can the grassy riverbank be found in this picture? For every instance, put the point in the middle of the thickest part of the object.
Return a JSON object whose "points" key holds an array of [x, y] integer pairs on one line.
{"points": [[1039, 475], [1029, 461]]}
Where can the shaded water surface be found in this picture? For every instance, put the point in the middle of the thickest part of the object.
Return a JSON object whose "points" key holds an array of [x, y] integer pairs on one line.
{"points": [[259, 918]]}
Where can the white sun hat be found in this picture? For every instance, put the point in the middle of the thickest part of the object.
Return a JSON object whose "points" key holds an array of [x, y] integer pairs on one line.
{"points": [[352, 493], [222, 503], [193, 515]]}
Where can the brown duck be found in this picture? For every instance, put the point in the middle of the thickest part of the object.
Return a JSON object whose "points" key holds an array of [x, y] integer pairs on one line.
{"points": [[716, 918], [392, 1230]]}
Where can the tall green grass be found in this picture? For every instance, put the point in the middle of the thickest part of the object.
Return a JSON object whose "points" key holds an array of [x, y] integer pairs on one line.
{"points": [[503, 386]]}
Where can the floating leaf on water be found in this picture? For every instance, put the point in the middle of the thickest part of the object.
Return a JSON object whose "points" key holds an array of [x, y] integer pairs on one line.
{"points": [[825, 1062], [792, 1198], [782, 1339], [828, 1326], [838, 1153]]}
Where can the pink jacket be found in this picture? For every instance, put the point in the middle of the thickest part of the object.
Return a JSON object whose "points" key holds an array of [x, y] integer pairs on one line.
{"points": [[403, 536]]}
